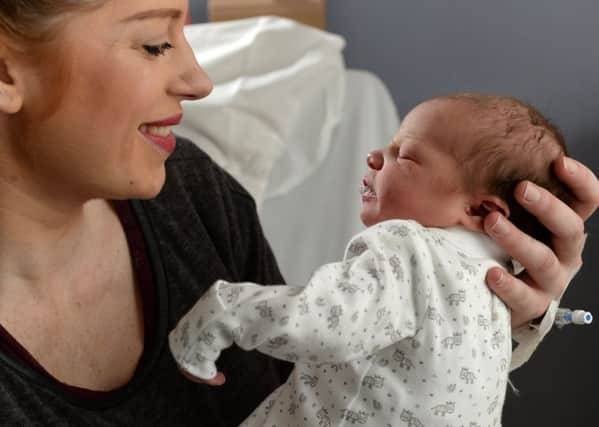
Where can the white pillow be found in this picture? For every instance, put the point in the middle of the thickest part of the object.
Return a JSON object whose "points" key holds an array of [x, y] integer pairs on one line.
{"points": [[278, 87]]}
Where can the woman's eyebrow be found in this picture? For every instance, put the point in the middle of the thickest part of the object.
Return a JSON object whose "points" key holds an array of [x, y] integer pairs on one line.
{"points": [[154, 14]]}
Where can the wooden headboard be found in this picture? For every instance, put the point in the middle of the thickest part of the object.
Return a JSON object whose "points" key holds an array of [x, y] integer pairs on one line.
{"points": [[310, 12]]}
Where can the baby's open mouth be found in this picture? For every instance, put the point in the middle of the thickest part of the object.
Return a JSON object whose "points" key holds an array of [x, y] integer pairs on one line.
{"points": [[366, 190]]}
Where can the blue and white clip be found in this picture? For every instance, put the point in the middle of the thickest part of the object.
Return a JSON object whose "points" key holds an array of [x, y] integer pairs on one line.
{"points": [[565, 316]]}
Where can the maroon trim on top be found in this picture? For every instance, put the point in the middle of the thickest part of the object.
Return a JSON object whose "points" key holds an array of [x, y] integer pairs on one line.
{"points": [[144, 279], [9, 345], [141, 267]]}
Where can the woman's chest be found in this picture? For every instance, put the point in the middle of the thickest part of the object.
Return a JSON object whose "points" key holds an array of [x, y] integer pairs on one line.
{"points": [[88, 331]]}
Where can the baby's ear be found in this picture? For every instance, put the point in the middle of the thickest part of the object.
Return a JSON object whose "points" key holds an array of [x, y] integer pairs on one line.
{"points": [[479, 207], [11, 96]]}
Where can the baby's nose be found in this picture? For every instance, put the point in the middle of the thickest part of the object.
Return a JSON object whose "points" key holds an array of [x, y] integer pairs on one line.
{"points": [[375, 160]]}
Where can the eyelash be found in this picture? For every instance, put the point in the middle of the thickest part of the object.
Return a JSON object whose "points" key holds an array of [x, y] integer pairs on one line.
{"points": [[157, 49], [403, 157], [397, 151]]}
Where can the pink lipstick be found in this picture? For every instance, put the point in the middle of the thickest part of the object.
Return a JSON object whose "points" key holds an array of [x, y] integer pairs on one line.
{"points": [[159, 133]]}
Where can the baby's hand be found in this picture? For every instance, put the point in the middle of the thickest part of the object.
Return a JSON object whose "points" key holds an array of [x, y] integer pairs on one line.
{"points": [[200, 336], [196, 357], [219, 379]]}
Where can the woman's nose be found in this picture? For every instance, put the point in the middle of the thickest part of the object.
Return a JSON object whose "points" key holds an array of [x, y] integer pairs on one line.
{"points": [[375, 160], [192, 81]]}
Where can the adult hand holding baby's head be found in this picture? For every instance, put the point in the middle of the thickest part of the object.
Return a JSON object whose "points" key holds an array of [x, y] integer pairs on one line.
{"points": [[548, 269]]}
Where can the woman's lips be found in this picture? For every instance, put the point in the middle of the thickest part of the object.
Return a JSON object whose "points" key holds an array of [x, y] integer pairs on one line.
{"points": [[160, 134], [164, 143]]}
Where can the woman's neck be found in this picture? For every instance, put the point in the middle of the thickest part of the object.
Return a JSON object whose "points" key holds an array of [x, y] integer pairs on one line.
{"points": [[40, 240]]}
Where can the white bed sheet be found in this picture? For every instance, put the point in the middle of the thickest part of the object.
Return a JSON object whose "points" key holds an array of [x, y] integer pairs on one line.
{"points": [[278, 88], [310, 224]]}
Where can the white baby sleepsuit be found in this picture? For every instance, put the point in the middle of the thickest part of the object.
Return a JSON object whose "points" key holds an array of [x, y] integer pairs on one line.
{"points": [[402, 332]]}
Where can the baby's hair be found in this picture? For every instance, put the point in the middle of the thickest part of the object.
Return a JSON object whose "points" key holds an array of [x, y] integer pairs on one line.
{"points": [[514, 142]]}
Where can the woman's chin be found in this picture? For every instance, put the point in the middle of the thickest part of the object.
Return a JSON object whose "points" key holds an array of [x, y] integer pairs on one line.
{"points": [[150, 192], [144, 188]]}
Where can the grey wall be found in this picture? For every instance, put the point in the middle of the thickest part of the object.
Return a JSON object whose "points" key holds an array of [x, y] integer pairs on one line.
{"points": [[198, 9], [543, 51]]}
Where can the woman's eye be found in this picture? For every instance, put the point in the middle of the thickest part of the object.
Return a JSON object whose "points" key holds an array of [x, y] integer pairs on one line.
{"points": [[157, 49]]}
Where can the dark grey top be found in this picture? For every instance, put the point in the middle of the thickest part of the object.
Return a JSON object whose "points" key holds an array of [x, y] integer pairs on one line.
{"points": [[202, 227]]}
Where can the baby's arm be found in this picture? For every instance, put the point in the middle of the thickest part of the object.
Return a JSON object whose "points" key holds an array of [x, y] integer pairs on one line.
{"points": [[348, 309]]}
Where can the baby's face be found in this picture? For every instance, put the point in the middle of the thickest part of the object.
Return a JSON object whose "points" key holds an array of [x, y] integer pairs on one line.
{"points": [[417, 176]]}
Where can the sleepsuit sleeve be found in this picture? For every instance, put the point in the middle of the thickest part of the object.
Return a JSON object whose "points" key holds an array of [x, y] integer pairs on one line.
{"points": [[348, 310]]}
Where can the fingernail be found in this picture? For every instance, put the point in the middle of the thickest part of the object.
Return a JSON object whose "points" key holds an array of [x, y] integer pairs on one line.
{"points": [[531, 194], [570, 165], [497, 280], [500, 227]]}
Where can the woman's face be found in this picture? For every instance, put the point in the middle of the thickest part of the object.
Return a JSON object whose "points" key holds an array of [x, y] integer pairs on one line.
{"points": [[98, 103]]}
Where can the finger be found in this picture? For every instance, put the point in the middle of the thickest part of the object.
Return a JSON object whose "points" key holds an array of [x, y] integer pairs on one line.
{"points": [[525, 301], [582, 182], [539, 261], [564, 224], [219, 379]]}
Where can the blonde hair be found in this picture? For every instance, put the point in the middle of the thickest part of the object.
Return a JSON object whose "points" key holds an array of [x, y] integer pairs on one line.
{"points": [[34, 21]]}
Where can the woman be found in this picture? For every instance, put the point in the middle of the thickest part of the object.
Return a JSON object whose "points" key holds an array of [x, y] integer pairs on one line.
{"points": [[92, 278]]}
